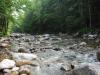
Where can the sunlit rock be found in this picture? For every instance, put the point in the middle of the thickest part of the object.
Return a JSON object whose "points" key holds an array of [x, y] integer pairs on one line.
{"points": [[92, 36], [83, 44], [27, 56], [7, 70], [67, 67], [25, 70], [26, 62], [4, 55], [13, 73], [7, 63], [15, 69], [5, 45]]}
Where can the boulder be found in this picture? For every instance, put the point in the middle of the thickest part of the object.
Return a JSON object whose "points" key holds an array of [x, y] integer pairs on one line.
{"points": [[7, 70], [83, 44], [67, 67], [21, 50], [25, 70], [90, 69], [15, 69], [4, 55], [24, 56], [5, 45], [25, 62], [7, 63], [91, 36], [13, 73]]}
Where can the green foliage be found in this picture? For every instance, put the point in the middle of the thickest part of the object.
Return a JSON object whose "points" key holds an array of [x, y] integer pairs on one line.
{"points": [[5, 10], [50, 16], [5, 6], [54, 16]]}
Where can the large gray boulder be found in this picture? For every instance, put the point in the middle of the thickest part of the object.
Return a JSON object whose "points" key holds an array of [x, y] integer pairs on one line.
{"points": [[90, 69]]}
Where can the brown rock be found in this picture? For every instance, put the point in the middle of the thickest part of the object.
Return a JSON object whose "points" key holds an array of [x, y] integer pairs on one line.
{"points": [[23, 62], [25, 70], [13, 73], [5, 45], [4, 55]]}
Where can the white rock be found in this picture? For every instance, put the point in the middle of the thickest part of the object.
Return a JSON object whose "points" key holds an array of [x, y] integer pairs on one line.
{"points": [[15, 68], [27, 56], [7, 70], [67, 67], [7, 63], [92, 36], [46, 35], [83, 44]]}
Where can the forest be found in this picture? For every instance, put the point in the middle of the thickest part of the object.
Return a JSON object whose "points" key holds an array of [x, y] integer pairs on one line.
{"points": [[49, 37], [49, 16]]}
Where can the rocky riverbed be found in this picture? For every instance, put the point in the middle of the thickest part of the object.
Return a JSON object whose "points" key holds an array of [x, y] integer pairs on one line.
{"points": [[48, 54]]}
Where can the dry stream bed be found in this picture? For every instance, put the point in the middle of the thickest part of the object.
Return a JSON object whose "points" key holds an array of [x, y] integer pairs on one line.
{"points": [[48, 54]]}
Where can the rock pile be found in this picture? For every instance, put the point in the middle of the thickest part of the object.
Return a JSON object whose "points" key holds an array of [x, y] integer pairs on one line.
{"points": [[48, 54], [10, 67]]}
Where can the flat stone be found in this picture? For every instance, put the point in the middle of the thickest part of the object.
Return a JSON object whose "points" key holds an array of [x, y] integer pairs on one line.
{"points": [[25, 62], [24, 56]]}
